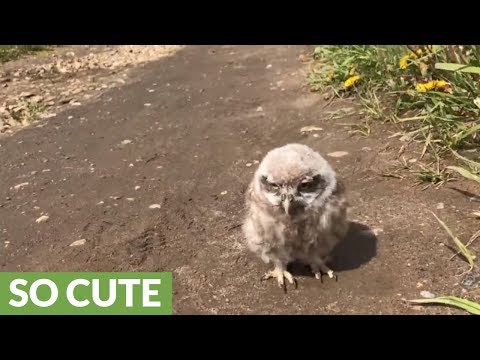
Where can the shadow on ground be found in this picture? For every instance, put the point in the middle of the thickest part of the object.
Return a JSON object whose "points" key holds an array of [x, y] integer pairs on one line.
{"points": [[358, 248]]}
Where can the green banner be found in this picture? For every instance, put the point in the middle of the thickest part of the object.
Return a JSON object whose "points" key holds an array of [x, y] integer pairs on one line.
{"points": [[85, 293]]}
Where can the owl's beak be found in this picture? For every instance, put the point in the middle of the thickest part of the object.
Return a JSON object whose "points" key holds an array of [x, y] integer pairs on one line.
{"points": [[287, 202]]}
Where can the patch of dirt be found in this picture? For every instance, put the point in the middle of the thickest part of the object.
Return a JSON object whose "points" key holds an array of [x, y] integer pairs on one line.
{"points": [[40, 87]]}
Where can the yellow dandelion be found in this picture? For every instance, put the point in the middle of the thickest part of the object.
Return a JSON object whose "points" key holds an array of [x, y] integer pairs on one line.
{"points": [[440, 83], [352, 80], [404, 62], [410, 56], [431, 85]]}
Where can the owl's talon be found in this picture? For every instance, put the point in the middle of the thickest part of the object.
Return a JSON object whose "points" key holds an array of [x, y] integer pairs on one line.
{"points": [[280, 276]]}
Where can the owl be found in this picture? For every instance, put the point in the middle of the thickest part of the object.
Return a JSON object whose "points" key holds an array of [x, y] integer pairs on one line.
{"points": [[296, 211]]}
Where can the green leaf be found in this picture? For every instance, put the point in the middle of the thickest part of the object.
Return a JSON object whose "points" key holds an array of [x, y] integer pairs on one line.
{"points": [[465, 173], [464, 304], [457, 67]]}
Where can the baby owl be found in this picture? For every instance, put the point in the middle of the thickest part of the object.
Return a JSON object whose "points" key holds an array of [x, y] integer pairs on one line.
{"points": [[297, 211]]}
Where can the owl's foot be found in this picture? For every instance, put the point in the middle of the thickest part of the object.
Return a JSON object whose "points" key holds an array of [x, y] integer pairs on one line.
{"points": [[280, 275], [319, 270]]}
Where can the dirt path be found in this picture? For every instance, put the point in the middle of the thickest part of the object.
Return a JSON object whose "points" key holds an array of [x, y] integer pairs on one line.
{"points": [[185, 135]]}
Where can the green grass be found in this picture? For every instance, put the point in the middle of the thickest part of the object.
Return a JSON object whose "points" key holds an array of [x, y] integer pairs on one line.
{"points": [[445, 116], [464, 304], [12, 52]]}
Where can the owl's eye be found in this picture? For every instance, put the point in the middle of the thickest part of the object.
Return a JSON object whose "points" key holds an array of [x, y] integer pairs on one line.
{"points": [[306, 186], [269, 185]]}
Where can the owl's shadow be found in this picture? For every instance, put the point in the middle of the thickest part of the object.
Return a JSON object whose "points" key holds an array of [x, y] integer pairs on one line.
{"points": [[357, 248]]}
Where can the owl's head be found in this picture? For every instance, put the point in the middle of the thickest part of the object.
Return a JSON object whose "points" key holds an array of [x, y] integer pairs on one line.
{"points": [[294, 177]]}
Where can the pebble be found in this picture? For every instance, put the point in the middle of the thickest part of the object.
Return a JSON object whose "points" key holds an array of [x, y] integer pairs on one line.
{"points": [[19, 186], [78, 242], [126, 142], [155, 206], [42, 218], [224, 192], [337, 154], [248, 164], [427, 294], [440, 206]]}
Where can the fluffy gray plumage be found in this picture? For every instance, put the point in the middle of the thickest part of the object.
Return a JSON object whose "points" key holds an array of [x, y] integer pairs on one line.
{"points": [[297, 211]]}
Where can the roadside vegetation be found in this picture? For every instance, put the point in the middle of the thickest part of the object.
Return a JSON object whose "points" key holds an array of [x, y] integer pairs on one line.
{"points": [[432, 93]]}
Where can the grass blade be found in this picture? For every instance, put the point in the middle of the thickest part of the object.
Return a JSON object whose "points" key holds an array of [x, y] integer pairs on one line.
{"points": [[465, 173], [457, 67], [463, 249], [471, 163], [464, 304]]}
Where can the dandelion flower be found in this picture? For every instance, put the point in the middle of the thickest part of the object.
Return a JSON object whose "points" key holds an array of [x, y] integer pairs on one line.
{"points": [[404, 62], [410, 56], [432, 85], [352, 80]]}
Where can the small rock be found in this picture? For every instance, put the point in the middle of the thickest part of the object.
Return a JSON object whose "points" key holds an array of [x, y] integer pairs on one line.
{"points": [[19, 186], [45, 170], [130, 199], [224, 192], [366, 148], [137, 187], [310, 128], [26, 94], [440, 206], [419, 285], [151, 90], [427, 294], [316, 135], [100, 203], [155, 206], [78, 242], [147, 104], [411, 161], [70, 117], [259, 109], [36, 99], [42, 218], [115, 197], [269, 66], [75, 103], [256, 161], [126, 142], [248, 164], [338, 154]]}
